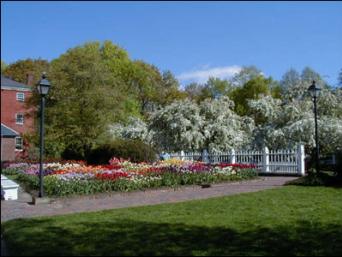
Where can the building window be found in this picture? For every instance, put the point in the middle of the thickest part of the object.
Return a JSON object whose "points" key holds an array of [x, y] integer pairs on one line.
{"points": [[19, 118], [19, 143], [20, 97]]}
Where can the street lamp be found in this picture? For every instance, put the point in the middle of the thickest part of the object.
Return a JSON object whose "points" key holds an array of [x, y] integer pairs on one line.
{"points": [[314, 92], [43, 89]]}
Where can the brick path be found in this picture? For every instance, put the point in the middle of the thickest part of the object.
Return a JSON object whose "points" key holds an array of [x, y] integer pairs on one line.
{"points": [[21, 209]]}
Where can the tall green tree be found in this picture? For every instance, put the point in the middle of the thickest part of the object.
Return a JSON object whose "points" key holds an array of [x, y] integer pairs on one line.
{"points": [[246, 74], [152, 88], [297, 86], [290, 78], [170, 89], [308, 75], [19, 70], [194, 91], [144, 84], [3, 66], [253, 89], [85, 97], [216, 88]]}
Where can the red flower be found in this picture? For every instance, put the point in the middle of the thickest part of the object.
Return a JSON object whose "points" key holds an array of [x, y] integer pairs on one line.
{"points": [[116, 161], [111, 176], [112, 166], [156, 170], [237, 165]]}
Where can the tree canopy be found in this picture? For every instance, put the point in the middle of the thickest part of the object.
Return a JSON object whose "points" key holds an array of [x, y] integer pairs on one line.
{"points": [[99, 93], [19, 70], [212, 125], [3, 66], [95, 85]]}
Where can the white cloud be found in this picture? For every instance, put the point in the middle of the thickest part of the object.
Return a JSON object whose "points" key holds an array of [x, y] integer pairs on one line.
{"points": [[202, 75]]}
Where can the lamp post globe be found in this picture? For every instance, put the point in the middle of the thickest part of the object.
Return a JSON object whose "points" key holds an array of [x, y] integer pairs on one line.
{"points": [[43, 89], [314, 92], [43, 85]]}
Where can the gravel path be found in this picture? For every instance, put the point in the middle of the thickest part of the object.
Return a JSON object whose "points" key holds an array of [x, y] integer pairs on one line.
{"points": [[21, 209]]}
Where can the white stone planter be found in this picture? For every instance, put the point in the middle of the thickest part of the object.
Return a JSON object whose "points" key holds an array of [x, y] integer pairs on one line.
{"points": [[3, 177], [9, 189]]}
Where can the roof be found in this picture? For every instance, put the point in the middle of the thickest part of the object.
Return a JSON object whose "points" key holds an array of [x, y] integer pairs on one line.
{"points": [[8, 132], [7, 83]]}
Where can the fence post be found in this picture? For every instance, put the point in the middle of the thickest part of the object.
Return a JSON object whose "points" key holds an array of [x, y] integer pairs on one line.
{"points": [[266, 160], [182, 155], [301, 160], [233, 157], [205, 156]]}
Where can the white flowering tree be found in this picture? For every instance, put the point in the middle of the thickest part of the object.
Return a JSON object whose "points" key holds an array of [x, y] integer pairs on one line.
{"points": [[289, 122], [177, 126], [135, 128], [212, 125]]}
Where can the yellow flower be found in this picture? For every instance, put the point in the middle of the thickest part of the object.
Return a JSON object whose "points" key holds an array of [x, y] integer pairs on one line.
{"points": [[173, 161]]}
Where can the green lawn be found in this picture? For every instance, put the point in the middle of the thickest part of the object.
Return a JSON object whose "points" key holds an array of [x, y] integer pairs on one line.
{"points": [[287, 221]]}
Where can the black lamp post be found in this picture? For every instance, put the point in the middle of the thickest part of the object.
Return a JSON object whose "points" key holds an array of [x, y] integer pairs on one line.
{"points": [[43, 88], [314, 92]]}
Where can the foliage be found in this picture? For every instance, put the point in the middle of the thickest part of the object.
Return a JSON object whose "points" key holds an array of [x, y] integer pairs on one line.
{"points": [[193, 91], [170, 89], [177, 125], [318, 179], [215, 88], [151, 88], [145, 82], [287, 123], [291, 77], [85, 97], [135, 150], [93, 85], [99, 93], [3, 66], [135, 128], [246, 74], [295, 86], [212, 124], [19, 70], [251, 90]]}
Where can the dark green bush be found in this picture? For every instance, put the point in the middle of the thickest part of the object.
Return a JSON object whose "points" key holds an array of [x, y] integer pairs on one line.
{"points": [[338, 167], [72, 153], [134, 150]]}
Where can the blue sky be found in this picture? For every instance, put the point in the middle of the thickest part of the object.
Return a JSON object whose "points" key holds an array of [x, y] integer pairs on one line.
{"points": [[192, 39]]}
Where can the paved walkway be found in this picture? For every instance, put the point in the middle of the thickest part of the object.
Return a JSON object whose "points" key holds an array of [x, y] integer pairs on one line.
{"points": [[21, 209]]}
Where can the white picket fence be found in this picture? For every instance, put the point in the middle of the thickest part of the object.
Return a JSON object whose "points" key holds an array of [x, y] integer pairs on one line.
{"points": [[286, 162]]}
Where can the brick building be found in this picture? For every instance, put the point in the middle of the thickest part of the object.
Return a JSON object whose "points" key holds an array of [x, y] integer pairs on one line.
{"points": [[8, 140], [15, 115]]}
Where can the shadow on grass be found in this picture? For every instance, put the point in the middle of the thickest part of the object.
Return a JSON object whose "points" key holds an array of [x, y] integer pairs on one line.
{"points": [[127, 237], [321, 179]]}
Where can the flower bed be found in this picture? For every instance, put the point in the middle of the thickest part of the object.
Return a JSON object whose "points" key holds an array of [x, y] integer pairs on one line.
{"points": [[68, 178]]}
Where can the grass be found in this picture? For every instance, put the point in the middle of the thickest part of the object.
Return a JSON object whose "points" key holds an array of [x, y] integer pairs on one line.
{"points": [[287, 221]]}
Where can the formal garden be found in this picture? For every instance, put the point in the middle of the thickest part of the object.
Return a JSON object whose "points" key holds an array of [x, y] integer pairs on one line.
{"points": [[75, 178]]}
